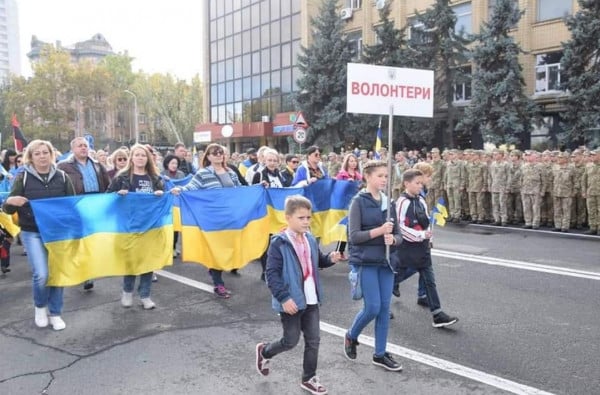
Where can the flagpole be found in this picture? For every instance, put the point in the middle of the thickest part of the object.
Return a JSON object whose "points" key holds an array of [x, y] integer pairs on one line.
{"points": [[389, 167]]}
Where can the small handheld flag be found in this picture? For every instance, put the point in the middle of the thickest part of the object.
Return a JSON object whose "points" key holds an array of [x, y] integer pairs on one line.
{"points": [[376, 154], [439, 213]]}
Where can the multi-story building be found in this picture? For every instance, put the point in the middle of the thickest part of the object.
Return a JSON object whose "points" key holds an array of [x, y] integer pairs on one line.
{"points": [[253, 44], [10, 58]]}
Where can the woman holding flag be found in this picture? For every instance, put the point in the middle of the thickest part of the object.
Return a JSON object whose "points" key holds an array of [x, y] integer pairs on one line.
{"points": [[40, 179]]}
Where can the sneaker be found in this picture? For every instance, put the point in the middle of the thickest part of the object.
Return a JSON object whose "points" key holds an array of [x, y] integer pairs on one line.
{"points": [[423, 302], [350, 347], [57, 323], [88, 285], [127, 299], [5, 270], [313, 386], [262, 363], [41, 317], [175, 253], [442, 319], [154, 278], [222, 292], [235, 272], [387, 362], [396, 290], [147, 303]]}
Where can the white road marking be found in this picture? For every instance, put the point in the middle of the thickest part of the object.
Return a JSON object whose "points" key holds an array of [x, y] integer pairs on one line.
{"points": [[563, 271], [451, 367], [538, 231]]}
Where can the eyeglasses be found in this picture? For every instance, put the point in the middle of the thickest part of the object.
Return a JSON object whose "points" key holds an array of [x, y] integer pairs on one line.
{"points": [[121, 159], [317, 154], [217, 153]]}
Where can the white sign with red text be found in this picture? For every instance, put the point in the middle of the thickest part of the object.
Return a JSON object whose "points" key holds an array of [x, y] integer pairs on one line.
{"points": [[373, 89]]}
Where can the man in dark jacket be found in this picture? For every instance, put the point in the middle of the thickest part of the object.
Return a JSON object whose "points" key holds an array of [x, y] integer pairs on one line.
{"points": [[184, 165], [87, 175]]}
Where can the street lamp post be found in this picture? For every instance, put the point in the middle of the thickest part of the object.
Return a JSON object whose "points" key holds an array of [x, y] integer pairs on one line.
{"points": [[135, 116]]}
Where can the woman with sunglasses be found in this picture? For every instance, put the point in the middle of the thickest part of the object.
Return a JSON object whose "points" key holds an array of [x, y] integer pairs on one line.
{"points": [[288, 174], [119, 162], [311, 170], [213, 174]]}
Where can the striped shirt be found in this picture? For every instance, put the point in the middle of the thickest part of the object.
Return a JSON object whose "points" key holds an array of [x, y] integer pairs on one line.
{"points": [[410, 233]]}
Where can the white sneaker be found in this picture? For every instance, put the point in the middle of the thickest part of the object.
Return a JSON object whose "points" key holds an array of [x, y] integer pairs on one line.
{"points": [[148, 303], [154, 278], [127, 299], [175, 253], [57, 323], [41, 317]]}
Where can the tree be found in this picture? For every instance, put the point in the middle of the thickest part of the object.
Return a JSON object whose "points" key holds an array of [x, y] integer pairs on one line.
{"points": [[444, 50], [499, 108], [172, 104], [322, 88], [580, 72], [392, 49]]}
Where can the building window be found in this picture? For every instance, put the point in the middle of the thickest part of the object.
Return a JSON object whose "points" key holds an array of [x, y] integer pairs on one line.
{"points": [[355, 44], [552, 9], [547, 72], [462, 89], [143, 137], [464, 14], [142, 119], [354, 4], [416, 33]]}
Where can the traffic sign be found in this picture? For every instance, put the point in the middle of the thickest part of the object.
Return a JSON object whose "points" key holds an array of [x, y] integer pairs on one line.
{"points": [[300, 121], [300, 135]]}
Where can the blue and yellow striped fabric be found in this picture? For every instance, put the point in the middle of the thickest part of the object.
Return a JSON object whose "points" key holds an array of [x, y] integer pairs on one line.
{"points": [[91, 236]]}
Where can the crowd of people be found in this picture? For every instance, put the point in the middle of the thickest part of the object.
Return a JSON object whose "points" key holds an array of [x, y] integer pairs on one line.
{"points": [[389, 237]]}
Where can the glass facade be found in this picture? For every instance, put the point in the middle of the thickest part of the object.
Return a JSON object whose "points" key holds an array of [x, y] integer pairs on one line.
{"points": [[253, 49]]}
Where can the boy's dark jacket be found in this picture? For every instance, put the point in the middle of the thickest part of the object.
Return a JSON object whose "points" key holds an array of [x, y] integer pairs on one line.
{"points": [[284, 272]]}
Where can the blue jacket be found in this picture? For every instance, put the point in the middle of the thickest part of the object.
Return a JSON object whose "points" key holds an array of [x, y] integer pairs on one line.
{"points": [[302, 174], [284, 272]]}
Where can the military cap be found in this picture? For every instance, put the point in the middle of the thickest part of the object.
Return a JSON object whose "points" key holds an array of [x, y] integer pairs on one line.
{"points": [[516, 152], [564, 155], [435, 149]]}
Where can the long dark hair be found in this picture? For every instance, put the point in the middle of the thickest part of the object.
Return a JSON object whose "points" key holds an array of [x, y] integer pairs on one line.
{"points": [[6, 162]]}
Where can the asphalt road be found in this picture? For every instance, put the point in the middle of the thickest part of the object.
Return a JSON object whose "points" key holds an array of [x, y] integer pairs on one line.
{"points": [[528, 304]]}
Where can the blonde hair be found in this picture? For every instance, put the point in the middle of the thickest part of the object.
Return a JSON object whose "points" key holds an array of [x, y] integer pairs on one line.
{"points": [[28, 154], [424, 168], [295, 202], [150, 164]]}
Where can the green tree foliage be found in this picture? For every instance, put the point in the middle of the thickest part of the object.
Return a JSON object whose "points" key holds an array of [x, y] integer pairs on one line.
{"points": [[580, 68], [443, 49], [322, 87], [499, 109]]}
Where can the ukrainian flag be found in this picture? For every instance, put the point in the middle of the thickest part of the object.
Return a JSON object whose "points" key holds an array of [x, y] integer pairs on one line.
{"points": [[439, 213], [224, 228], [377, 153], [170, 184], [100, 235]]}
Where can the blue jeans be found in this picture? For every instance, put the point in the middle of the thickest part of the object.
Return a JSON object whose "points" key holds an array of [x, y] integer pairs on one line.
{"points": [[426, 274], [217, 277], [143, 287], [307, 322], [37, 256], [408, 272], [376, 283]]}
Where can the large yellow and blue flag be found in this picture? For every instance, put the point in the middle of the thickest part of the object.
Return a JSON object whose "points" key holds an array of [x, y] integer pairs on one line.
{"points": [[91, 236], [224, 228]]}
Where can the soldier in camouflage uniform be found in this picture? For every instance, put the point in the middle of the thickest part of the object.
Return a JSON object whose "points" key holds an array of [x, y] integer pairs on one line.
{"points": [[436, 187], [334, 165], [590, 186], [455, 184], [563, 191], [398, 169], [465, 158], [477, 185], [514, 206], [498, 177], [532, 185], [578, 209], [487, 196], [546, 210]]}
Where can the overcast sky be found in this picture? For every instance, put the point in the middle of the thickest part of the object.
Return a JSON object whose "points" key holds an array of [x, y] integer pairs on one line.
{"points": [[162, 36]]}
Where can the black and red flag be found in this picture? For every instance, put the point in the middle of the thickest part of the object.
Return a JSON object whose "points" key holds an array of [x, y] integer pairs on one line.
{"points": [[20, 142]]}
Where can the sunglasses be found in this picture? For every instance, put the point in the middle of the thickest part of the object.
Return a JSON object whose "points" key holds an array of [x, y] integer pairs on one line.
{"points": [[217, 153], [295, 162], [121, 159]]}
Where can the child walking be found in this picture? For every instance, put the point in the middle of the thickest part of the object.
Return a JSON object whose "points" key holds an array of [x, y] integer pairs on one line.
{"points": [[293, 262]]}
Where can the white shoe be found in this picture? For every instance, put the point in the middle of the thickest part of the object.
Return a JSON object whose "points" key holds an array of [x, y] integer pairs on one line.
{"points": [[148, 303], [154, 278], [127, 299], [57, 323], [41, 317], [175, 253]]}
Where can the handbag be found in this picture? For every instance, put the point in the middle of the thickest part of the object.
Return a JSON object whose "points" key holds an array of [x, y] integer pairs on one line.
{"points": [[354, 278]]}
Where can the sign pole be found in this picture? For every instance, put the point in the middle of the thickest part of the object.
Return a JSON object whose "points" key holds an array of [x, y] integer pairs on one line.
{"points": [[389, 167]]}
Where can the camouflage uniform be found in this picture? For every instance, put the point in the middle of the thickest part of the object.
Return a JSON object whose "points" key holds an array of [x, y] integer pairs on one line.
{"points": [[563, 192], [487, 195], [397, 186], [578, 209], [436, 187], [546, 209], [590, 186], [455, 184], [464, 195], [532, 185], [498, 177], [477, 185], [514, 206]]}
